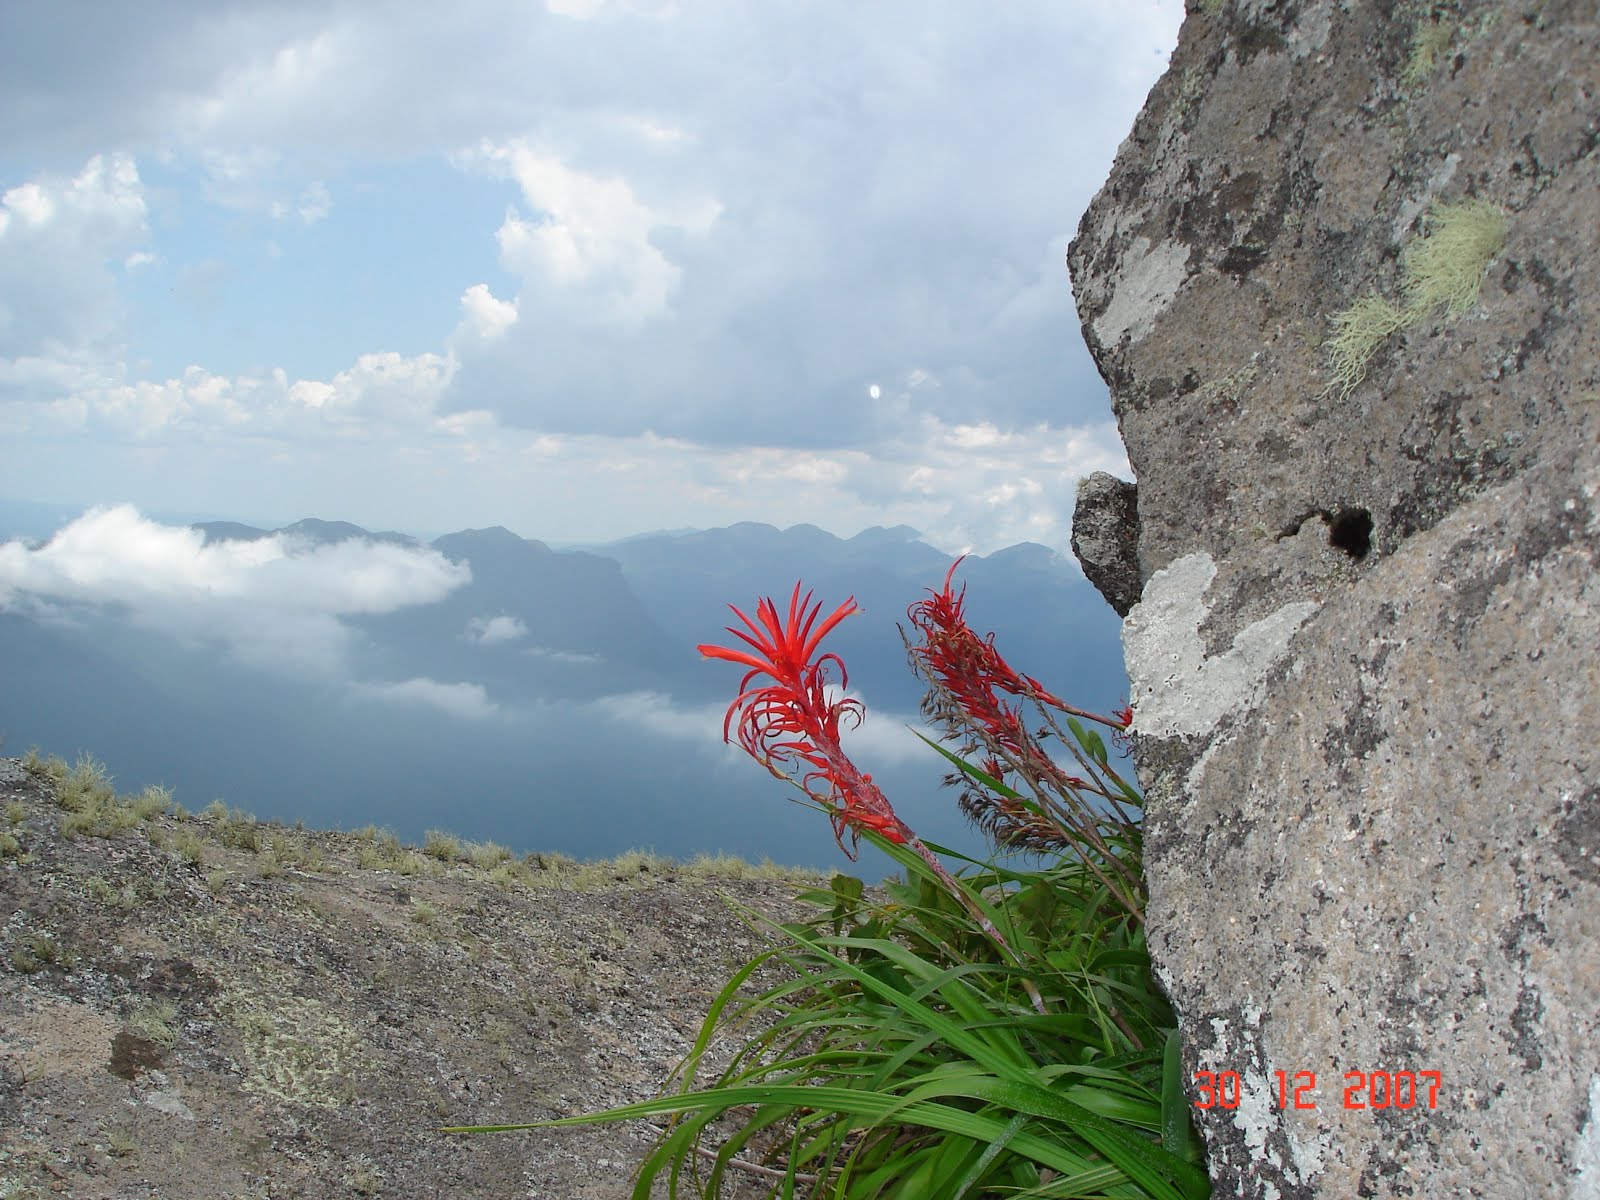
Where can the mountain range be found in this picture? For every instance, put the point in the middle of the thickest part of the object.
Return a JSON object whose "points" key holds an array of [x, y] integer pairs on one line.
{"points": [[550, 699]]}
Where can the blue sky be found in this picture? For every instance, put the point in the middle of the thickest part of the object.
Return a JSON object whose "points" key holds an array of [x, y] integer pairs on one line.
{"points": [[580, 268]]}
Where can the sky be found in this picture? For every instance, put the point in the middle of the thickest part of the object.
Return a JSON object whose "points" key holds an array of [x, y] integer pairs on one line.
{"points": [[583, 268]]}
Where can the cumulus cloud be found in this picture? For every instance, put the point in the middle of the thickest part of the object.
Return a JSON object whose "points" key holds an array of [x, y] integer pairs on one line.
{"points": [[60, 238], [590, 234], [274, 601], [483, 315], [662, 716], [563, 656], [380, 395], [883, 738], [468, 701]]}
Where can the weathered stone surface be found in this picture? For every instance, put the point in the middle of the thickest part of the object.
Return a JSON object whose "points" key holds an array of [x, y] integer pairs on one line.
{"points": [[1364, 660], [1105, 537]]}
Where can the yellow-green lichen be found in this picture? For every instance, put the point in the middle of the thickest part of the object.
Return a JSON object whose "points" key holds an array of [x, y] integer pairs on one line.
{"points": [[295, 1048], [1230, 386], [1430, 40], [362, 1176], [1445, 267], [1442, 270], [1358, 331]]}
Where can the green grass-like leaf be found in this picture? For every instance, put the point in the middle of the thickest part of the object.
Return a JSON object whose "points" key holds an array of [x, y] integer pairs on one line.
{"points": [[896, 1057]]}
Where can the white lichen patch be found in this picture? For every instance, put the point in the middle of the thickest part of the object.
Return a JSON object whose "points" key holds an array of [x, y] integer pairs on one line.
{"points": [[1310, 33], [1309, 1153], [1149, 280], [170, 1102], [1256, 1117], [1586, 1151], [295, 1049], [1176, 689]]}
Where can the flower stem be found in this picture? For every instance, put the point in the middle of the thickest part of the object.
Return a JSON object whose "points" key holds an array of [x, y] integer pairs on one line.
{"points": [[978, 915]]}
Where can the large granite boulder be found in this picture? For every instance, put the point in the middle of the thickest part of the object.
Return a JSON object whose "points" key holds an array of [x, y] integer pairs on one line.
{"points": [[1344, 283]]}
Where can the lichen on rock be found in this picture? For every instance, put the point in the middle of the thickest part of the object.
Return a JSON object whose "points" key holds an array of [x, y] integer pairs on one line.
{"points": [[1367, 612]]}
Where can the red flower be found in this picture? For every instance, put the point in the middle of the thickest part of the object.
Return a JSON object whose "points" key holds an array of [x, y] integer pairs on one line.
{"points": [[971, 670], [792, 719], [970, 666]]}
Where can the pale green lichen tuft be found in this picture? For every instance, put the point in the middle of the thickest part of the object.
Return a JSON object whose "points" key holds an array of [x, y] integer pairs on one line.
{"points": [[1431, 39], [1228, 388], [1446, 267], [1358, 331], [1443, 269], [296, 1049]]}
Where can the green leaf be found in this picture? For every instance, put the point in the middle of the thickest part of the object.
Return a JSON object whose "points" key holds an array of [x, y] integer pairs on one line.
{"points": [[1093, 744], [1177, 1129], [848, 888]]}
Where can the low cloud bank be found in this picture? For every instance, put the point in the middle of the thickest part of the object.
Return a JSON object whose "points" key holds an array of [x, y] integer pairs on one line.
{"points": [[274, 601]]}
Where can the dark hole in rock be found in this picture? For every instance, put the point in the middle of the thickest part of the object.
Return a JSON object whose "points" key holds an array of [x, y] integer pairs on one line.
{"points": [[1350, 530]]}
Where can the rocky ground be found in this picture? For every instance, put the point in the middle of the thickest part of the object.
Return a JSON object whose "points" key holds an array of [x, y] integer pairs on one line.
{"points": [[199, 1007]]}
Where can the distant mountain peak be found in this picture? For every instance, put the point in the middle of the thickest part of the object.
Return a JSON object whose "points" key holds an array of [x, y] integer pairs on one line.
{"points": [[318, 530], [494, 537], [875, 534], [1033, 555]]}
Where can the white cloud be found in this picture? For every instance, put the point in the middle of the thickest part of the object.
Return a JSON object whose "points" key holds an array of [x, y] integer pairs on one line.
{"points": [[242, 114], [58, 240], [273, 601], [652, 711], [380, 395], [468, 701], [315, 203], [882, 740], [694, 306], [589, 232], [390, 388], [563, 656], [485, 316], [487, 631], [28, 204], [588, 10]]}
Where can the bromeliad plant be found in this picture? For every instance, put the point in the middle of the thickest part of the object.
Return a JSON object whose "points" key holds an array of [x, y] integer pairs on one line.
{"points": [[992, 1032]]}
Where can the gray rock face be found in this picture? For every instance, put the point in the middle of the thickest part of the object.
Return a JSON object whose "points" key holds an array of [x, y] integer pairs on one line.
{"points": [[1364, 657], [1105, 537]]}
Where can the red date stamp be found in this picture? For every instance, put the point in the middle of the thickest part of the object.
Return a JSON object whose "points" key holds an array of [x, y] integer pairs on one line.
{"points": [[1362, 1089]]}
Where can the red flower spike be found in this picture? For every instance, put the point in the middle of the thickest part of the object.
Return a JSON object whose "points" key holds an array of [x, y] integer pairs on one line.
{"points": [[972, 670], [792, 721]]}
